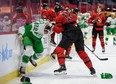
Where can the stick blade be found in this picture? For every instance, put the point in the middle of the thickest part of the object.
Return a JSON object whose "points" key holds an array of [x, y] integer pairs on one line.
{"points": [[103, 59]]}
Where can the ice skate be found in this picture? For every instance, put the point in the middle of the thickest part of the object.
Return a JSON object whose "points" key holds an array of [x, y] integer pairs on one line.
{"points": [[103, 50], [92, 71], [106, 43], [33, 62], [61, 70], [93, 50], [22, 70], [25, 79], [68, 57], [114, 43], [53, 55]]}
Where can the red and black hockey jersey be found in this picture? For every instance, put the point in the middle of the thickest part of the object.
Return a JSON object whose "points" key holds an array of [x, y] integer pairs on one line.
{"points": [[98, 19]]}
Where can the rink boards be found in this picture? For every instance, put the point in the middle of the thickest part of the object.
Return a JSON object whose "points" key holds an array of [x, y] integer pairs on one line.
{"points": [[11, 51]]}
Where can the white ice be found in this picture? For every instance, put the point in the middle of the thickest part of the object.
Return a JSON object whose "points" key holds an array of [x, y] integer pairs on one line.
{"points": [[77, 72]]}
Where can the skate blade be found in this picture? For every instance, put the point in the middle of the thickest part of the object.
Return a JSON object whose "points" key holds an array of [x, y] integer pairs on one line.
{"points": [[20, 74], [94, 75], [103, 52], [60, 73], [53, 57], [68, 59]]}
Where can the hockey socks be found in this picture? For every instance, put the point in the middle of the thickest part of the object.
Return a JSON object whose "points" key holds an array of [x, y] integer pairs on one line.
{"points": [[94, 43], [60, 55], [82, 54], [102, 43]]}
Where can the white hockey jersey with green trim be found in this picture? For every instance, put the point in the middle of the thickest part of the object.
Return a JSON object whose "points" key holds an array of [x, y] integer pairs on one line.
{"points": [[112, 22], [36, 29]]}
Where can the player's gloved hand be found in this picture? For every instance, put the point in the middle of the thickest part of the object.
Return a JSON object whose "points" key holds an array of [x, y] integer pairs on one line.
{"points": [[108, 24], [48, 27], [94, 21], [53, 23]]}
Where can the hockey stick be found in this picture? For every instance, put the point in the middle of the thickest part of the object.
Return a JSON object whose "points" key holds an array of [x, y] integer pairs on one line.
{"points": [[102, 59]]}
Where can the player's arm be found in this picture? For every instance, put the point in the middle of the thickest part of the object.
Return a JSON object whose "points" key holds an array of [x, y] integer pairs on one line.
{"points": [[58, 25], [92, 19], [21, 32], [108, 22]]}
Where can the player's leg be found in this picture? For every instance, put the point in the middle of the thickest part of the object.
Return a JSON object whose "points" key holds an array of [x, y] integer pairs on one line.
{"points": [[82, 28], [53, 39], [68, 53], [108, 32], [101, 38], [38, 48], [79, 45], [64, 44], [114, 40], [28, 44], [114, 35], [61, 59], [94, 37], [85, 30]]}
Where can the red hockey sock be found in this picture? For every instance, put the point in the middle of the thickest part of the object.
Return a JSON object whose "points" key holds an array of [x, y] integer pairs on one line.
{"points": [[94, 42], [102, 42], [83, 55], [60, 55]]}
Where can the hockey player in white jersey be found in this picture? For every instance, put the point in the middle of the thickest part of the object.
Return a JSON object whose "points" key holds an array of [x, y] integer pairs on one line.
{"points": [[31, 36], [111, 28], [83, 23]]}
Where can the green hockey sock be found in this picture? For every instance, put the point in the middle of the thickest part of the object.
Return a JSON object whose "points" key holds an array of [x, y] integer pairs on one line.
{"points": [[35, 57], [25, 59]]}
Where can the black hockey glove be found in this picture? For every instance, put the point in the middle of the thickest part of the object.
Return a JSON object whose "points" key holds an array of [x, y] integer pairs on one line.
{"points": [[94, 22], [108, 24], [48, 28], [53, 23]]}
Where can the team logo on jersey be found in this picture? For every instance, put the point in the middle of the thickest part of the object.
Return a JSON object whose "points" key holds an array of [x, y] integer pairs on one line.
{"points": [[99, 20]]}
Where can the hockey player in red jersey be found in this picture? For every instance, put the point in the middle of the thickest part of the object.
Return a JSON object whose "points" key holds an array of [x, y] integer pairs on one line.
{"points": [[44, 11], [71, 33], [67, 53], [98, 20], [49, 13]]}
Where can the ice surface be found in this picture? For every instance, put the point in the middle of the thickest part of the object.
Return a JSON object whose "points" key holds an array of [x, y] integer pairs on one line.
{"points": [[77, 72]]}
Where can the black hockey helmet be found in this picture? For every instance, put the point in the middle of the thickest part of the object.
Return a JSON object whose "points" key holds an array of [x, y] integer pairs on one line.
{"points": [[58, 8], [45, 5], [76, 10]]}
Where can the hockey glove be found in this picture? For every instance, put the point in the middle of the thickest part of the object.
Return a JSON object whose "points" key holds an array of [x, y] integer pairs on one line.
{"points": [[48, 27], [108, 24]]}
